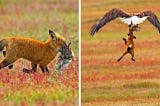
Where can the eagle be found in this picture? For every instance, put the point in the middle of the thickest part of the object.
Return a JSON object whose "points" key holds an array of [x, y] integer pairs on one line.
{"points": [[127, 18]]}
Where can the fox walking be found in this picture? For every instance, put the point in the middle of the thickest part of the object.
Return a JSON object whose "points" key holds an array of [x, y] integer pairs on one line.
{"points": [[41, 53]]}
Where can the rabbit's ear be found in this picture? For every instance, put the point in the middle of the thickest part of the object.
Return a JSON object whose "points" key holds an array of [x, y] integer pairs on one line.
{"points": [[69, 44], [65, 44]]}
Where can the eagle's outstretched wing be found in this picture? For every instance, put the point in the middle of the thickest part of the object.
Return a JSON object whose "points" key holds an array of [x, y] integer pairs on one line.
{"points": [[111, 15], [152, 18]]}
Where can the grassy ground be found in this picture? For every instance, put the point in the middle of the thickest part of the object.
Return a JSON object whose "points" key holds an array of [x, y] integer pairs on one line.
{"points": [[108, 82], [33, 18]]}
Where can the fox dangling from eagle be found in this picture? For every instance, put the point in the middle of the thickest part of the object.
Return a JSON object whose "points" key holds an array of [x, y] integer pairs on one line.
{"points": [[132, 19]]}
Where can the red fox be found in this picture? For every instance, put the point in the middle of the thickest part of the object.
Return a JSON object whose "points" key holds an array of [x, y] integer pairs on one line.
{"points": [[129, 43], [41, 53]]}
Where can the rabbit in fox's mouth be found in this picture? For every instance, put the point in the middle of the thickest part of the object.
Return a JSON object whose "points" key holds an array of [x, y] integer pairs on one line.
{"points": [[65, 57]]}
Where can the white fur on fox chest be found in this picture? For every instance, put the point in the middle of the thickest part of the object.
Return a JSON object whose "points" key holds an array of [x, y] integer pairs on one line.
{"points": [[130, 46]]}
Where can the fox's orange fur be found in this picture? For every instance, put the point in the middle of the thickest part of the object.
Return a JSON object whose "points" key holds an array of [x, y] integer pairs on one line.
{"points": [[129, 43], [37, 52]]}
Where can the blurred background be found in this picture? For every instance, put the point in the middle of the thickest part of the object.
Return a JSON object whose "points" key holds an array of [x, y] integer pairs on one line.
{"points": [[106, 81]]}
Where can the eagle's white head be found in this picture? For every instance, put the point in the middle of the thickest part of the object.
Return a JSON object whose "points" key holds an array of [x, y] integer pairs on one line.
{"points": [[133, 20]]}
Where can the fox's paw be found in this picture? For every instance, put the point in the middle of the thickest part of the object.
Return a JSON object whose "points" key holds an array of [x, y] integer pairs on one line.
{"points": [[118, 59], [124, 38], [133, 59], [10, 66], [27, 71]]}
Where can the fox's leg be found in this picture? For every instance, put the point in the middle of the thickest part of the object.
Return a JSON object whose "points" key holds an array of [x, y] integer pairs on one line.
{"points": [[10, 66], [132, 54], [122, 56], [25, 70], [124, 39], [44, 69], [129, 49], [4, 53], [34, 67], [4, 63], [47, 70]]}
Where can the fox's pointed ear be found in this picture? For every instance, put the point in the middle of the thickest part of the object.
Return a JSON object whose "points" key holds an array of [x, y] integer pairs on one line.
{"points": [[52, 34]]}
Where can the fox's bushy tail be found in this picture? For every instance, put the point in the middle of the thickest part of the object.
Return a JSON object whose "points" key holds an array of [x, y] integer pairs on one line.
{"points": [[3, 43]]}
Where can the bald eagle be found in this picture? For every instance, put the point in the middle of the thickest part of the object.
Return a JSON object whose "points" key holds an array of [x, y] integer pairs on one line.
{"points": [[127, 18]]}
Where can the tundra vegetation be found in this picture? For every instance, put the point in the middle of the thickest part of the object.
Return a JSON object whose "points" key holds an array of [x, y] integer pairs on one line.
{"points": [[33, 19]]}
